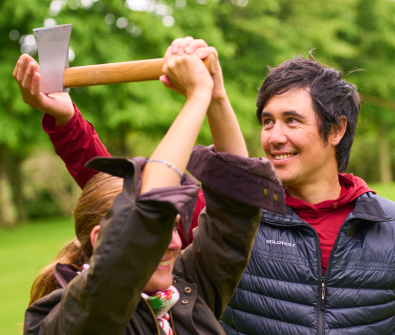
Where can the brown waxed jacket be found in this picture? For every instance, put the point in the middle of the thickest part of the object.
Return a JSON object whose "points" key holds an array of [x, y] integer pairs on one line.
{"points": [[106, 299]]}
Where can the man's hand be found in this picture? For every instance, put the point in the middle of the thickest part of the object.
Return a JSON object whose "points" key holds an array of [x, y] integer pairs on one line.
{"points": [[27, 75], [225, 130], [190, 46]]}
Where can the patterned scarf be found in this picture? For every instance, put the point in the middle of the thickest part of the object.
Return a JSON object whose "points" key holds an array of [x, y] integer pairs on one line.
{"points": [[161, 302]]}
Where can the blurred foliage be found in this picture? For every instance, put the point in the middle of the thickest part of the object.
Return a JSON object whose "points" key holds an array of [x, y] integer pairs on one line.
{"points": [[249, 35]]}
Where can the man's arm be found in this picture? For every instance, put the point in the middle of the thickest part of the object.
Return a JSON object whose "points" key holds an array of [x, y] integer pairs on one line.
{"points": [[225, 129], [234, 191]]}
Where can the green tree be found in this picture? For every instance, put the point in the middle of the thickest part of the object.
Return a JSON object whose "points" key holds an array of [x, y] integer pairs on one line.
{"points": [[249, 34], [17, 134]]}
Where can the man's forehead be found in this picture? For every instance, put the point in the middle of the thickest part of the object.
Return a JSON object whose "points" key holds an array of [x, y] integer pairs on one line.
{"points": [[292, 102]]}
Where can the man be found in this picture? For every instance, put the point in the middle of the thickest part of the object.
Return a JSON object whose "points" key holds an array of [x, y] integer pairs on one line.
{"points": [[328, 266]]}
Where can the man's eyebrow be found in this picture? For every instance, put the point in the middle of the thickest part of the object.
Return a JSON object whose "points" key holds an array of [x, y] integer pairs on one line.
{"points": [[265, 114], [286, 113], [293, 113]]}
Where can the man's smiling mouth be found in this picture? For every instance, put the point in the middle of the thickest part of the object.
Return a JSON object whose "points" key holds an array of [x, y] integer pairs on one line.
{"points": [[280, 157]]}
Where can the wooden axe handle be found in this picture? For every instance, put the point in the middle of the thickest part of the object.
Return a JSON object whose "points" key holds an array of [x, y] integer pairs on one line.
{"points": [[117, 73]]}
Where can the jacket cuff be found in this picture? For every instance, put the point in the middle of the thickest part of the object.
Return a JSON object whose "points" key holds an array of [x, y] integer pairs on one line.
{"points": [[49, 125], [251, 181], [182, 197]]}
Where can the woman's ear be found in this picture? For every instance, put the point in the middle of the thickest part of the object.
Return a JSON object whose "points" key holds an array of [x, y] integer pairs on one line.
{"points": [[338, 131], [94, 234]]}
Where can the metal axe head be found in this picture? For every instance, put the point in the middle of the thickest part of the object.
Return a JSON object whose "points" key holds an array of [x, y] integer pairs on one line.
{"points": [[53, 54]]}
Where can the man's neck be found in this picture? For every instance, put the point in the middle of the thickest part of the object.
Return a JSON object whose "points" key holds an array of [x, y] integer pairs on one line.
{"points": [[314, 193]]}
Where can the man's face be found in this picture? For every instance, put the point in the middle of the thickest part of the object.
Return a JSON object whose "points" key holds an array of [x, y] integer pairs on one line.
{"points": [[291, 140]]}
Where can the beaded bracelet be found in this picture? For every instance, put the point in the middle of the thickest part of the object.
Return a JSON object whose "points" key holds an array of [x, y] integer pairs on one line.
{"points": [[168, 164]]}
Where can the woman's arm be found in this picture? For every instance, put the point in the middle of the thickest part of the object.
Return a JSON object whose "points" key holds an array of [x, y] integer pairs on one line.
{"points": [[136, 231], [189, 73], [133, 238]]}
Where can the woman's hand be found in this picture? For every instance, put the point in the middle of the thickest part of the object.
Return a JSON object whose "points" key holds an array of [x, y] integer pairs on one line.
{"points": [[27, 75], [188, 74], [190, 46]]}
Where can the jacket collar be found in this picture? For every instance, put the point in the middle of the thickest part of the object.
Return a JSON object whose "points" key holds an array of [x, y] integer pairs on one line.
{"points": [[64, 274], [367, 207], [289, 219]]}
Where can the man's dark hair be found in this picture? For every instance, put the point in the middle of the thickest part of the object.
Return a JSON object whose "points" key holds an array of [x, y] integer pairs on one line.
{"points": [[333, 98]]}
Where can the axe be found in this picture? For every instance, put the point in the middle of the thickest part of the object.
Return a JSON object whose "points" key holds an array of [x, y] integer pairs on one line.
{"points": [[57, 76]]}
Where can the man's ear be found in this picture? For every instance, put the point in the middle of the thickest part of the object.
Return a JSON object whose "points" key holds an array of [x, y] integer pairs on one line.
{"points": [[338, 131], [94, 234]]}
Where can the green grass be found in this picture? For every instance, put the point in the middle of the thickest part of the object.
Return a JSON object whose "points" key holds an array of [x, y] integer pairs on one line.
{"points": [[23, 251], [385, 190]]}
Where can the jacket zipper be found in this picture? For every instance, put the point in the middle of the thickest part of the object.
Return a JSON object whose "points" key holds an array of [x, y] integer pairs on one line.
{"points": [[321, 288], [322, 304], [325, 277]]}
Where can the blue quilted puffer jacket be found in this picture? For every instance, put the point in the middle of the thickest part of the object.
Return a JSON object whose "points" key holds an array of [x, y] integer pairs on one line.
{"points": [[284, 290]]}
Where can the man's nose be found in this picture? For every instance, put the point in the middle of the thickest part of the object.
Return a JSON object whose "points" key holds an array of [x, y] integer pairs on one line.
{"points": [[278, 135]]}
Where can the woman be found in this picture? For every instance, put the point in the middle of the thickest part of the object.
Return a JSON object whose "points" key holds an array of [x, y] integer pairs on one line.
{"points": [[136, 281]]}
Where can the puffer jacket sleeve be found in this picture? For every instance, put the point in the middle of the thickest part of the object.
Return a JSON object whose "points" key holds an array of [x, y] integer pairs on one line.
{"points": [[235, 188], [133, 238]]}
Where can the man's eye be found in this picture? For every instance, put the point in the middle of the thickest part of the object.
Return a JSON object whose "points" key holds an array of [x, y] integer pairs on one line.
{"points": [[292, 120], [267, 122]]}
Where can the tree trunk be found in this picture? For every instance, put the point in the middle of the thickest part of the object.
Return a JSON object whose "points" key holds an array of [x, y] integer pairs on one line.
{"points": [[385, 157], [117, 142], [16, 180], [7, 213]]}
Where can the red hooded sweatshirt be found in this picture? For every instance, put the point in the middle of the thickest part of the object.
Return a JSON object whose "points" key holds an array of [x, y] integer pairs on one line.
{"points": [[327, 217]]}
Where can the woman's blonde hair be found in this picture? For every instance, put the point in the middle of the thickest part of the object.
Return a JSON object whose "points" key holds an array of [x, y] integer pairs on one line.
{"points": [[94, 202]]}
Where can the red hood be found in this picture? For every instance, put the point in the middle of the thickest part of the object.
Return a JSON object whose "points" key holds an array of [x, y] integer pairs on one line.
{"points": [[351, 188], [200, 204]]}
